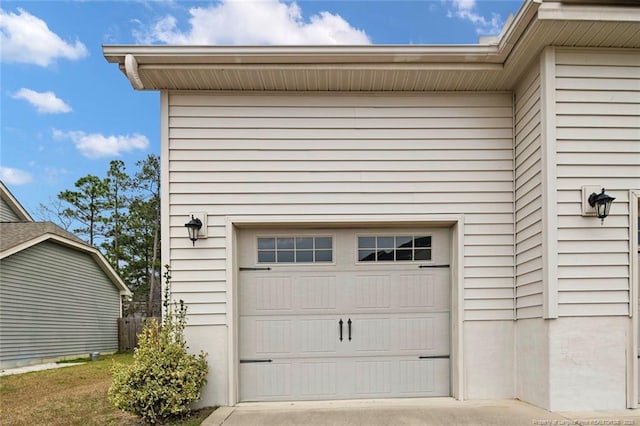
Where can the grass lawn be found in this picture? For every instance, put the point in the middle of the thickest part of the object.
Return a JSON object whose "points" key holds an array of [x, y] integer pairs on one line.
{"points": [[75, 395]]}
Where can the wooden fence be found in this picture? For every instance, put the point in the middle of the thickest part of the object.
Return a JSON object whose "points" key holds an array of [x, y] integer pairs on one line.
{"points": [[128, 330]]}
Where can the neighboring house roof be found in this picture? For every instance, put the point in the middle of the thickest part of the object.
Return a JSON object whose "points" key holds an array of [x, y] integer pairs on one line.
{"points": [[495, 64], [18, 236], [15, 205]]}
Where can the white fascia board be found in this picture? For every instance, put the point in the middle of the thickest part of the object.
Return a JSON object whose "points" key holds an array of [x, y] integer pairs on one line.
{"points": [[242, 55], [552, 11], [97, 256], [510, 35]]}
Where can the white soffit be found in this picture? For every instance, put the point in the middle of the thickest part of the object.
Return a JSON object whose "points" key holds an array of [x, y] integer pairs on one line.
{"points": [[482, 67]]}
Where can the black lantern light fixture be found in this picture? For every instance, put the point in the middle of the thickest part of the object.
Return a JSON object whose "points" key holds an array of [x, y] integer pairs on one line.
{"points": [[602, 203], [193, 226]]}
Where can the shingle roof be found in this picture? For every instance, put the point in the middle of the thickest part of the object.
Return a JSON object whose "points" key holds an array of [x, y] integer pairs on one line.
{"points": [[13, 234]]}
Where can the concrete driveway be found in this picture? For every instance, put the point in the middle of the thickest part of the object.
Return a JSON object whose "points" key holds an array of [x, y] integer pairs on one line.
{"points": [[415, 411]]}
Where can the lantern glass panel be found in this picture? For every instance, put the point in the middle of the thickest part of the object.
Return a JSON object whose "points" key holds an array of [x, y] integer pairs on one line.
{"points": [[193, 233]]}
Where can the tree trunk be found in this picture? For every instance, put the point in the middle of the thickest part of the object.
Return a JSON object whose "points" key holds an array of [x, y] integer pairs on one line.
{"points": [[153, 285]]}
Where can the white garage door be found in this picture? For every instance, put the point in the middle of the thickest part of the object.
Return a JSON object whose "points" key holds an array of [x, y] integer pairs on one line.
{"points": [[343, 313]]}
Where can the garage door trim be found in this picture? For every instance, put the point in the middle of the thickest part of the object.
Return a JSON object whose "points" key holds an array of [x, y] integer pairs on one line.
{"points": [[456, 222]]}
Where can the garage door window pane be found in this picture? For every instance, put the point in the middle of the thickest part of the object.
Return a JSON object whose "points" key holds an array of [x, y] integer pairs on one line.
{"points": [[285, 256], [404, 242], [303, 249], [422, 241], [385, 242], [366, 255], [367, 242], [285, 243], [324, 256], [423, 254], [305, 243], [398, 248], [404, 255], [266, 243], [385, 255], [304, 256], [266, 256], [324, 243]]}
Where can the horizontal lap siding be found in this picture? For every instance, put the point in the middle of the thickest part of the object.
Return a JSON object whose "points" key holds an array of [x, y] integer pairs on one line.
{"points": [[6, 213], [342, 155], [528, 186], [598, 143], [55, 301]]}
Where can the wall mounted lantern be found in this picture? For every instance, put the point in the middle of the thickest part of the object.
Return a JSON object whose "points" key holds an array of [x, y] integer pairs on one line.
{"points": [[193, 227], [602, 204]]}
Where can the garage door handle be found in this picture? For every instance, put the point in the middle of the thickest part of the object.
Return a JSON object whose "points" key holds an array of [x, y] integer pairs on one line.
{"points": [[340, 324], [349, 327]]}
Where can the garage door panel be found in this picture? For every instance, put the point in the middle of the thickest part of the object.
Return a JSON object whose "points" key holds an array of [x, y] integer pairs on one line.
{"points": [[398, 376], [262, 294], [289, 332], [423, 291], [316, 335], [313, 293], [401, 334], [371, 291], [266, 336], [265, 293], [423, 377], [314, 379], [373, 377], [371, 335], [389, 291], [427, 335], [265, 381]]}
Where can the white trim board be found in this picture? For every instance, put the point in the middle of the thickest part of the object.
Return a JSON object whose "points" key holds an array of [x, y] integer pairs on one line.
{"points": [[549, 183], [633, 373]]}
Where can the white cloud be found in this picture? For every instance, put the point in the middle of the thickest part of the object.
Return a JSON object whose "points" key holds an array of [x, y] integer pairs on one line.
{"points": [[466, 9], [14, 176], [45, 102], [253, 23], [96, 145], [26, 38]]}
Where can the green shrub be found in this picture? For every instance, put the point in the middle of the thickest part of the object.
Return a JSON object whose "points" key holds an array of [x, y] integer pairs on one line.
{"points": [[164, 379]]}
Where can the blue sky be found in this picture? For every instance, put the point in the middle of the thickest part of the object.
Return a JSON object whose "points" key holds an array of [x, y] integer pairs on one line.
{"points": [[66, 112]]}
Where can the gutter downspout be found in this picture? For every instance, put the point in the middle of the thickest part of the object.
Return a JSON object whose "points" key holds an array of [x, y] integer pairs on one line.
{"points": [[131, 69]]}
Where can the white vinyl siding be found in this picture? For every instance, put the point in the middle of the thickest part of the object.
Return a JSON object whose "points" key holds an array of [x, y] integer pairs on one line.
{"points": [[340, 154], [55, 302], [528, 193], [598, 143]]}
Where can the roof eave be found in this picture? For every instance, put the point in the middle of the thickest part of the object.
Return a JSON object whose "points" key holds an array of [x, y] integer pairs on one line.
{"points": [[133, 59], [493, 66]]}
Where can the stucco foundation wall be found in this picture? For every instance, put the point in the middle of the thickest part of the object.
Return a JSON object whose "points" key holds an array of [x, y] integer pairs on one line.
{"points": [[532, 361], [588, 363], [489, 361], [213, 341]]}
